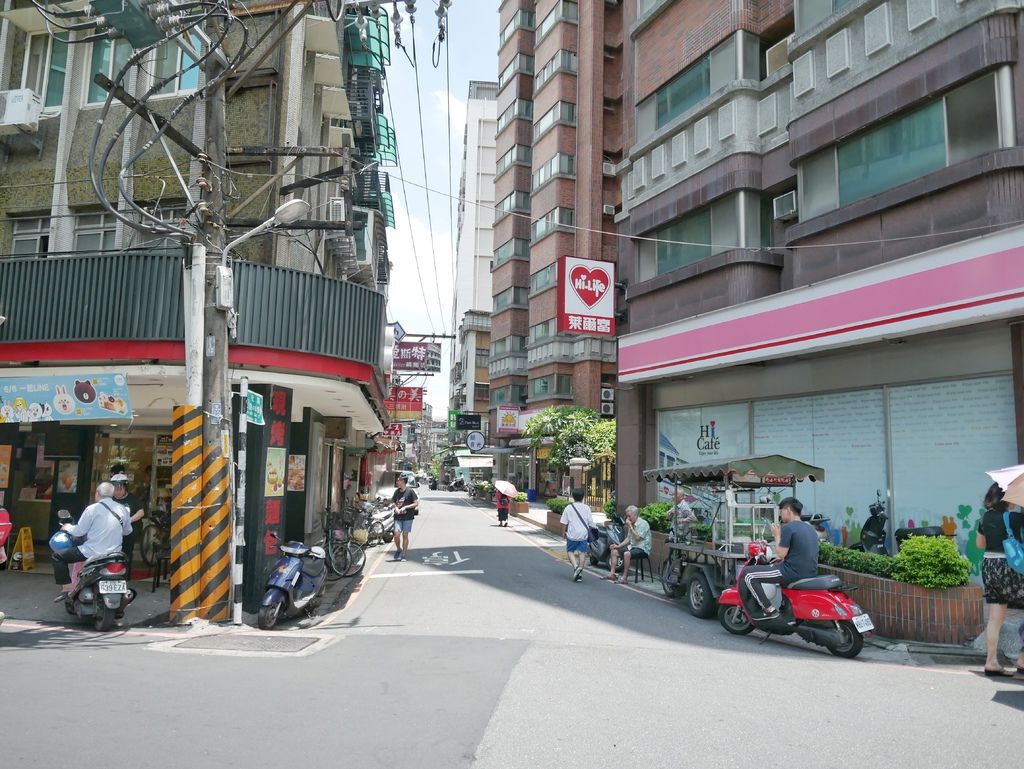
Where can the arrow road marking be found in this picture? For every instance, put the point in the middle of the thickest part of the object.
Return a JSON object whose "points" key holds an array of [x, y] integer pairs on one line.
{"points": [[458, 559], [436, 559]]}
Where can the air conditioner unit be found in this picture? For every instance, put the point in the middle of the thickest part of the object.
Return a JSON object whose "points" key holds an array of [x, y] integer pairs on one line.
{"points": [[341, 137], [607, 409], [336, 210], [777, 56], [19, 111], [608, 210], [607, 394], [784, 207], [608, 169]]}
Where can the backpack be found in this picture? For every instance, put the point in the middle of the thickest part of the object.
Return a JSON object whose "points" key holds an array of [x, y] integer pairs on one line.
{"points": [[1012, 547]]}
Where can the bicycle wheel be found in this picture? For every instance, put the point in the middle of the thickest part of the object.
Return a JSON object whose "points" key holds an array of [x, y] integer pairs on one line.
{"points": [[375, 533], [356, 560], [148, 545], [337, 559]]}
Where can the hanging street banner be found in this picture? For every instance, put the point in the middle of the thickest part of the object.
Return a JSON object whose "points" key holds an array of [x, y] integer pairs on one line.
{"points": [[419, 357], [586, 296], [404, 403], [78, 397], [508, 419]]}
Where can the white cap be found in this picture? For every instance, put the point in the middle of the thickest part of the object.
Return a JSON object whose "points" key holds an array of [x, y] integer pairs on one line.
{"points": [[119, 478]]}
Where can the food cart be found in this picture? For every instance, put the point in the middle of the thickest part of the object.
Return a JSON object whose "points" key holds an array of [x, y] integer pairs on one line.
{"points": [[739, 499]]}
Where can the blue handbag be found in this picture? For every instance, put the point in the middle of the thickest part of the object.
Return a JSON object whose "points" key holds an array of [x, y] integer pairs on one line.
{"points": [[1012, 547]]}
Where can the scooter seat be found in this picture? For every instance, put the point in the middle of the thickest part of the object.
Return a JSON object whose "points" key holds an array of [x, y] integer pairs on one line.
{"points": [[313, 567], [824, 582]]}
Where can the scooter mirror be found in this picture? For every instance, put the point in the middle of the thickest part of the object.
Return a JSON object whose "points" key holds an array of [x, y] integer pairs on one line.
{"points": [[63, 515]]}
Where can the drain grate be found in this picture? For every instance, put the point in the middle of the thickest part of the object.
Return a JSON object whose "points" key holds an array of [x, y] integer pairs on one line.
{"points": [[249, 643]]}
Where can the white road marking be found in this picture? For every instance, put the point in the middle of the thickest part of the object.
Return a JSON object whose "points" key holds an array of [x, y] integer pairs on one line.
{"points": [[425, 573]]}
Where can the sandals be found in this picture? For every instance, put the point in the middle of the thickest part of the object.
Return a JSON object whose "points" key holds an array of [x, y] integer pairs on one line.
{"points": [[997, 673], [61, 597]]}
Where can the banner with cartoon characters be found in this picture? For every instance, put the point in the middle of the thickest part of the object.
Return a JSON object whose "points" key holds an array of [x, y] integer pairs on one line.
{"points": [[77, 397]]}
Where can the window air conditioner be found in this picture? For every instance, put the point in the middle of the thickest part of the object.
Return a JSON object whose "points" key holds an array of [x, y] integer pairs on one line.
{"points": [[784, 207], [607, 409], [19, 111], [336, 210], [777, 56], [608, 210], [608, 169]]}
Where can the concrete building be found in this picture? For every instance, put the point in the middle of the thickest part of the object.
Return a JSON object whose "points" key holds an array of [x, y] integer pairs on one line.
{"points": [[91, 345], [822, 246], [559, 140], [471, 307]]}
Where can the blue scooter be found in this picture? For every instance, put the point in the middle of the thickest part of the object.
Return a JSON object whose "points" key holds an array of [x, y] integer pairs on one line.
{"points": [[295, 584]]}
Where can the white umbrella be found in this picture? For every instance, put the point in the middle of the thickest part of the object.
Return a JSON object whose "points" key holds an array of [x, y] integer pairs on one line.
{"points": [[1011, 481], [506, 488]]}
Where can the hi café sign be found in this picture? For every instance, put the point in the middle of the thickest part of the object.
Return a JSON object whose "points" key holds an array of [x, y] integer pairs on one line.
{"points": [[586, 296]]}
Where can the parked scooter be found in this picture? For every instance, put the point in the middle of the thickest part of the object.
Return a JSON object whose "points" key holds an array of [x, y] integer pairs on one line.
{"points": [[459, 484], [816, 609], [295, 584], [613, 530], [818, 521], [872, 536], [380, 521], [101, 591]]}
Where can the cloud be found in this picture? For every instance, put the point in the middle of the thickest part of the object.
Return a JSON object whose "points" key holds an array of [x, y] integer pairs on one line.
{"points": [[458, 112]]}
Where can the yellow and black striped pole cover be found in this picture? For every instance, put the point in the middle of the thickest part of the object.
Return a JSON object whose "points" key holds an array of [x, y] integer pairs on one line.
{"points": [[186, 513], [215, 569]]}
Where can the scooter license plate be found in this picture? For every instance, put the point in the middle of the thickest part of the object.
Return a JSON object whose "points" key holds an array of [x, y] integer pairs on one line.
{"points": [[113, 586], [863, 623]]}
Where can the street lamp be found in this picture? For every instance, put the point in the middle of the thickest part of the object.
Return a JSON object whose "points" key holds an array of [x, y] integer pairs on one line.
{"points": [[288, 212]]}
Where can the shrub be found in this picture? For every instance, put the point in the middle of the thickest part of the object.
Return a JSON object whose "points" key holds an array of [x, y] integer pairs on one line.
{"points": [[609, 507], [700, 532], [520, 497], [557, 504], [657, 514], [855, 560], [931, 562]]}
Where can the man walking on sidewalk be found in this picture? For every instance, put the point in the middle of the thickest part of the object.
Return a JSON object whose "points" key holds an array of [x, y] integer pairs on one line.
{"points": [[577, 518], [406, 505]]}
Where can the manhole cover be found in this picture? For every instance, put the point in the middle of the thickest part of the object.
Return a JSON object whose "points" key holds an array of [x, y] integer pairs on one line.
{"points": [[249, 643]]}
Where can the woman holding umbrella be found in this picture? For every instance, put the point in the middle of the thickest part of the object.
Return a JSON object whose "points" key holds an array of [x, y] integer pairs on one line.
{"points": [[1004, 587], [504, 493]]}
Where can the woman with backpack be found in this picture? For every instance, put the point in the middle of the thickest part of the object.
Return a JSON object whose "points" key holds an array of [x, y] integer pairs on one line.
{"points": [[1004, 587], [504, 503]]}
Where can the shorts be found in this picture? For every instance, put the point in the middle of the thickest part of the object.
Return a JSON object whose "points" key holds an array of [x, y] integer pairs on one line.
{"points": [[634, 552], [576, 546], [403, 526]]}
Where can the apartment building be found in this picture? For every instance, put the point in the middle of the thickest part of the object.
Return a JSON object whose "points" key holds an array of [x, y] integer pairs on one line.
{"points": [[560, 138], [821, 208]]}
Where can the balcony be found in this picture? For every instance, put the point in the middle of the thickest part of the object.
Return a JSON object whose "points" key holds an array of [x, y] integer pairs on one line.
{"points": [[59, 300], [375, 53], [373, 190]]}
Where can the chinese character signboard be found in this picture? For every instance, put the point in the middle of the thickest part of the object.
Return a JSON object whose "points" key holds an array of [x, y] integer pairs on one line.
{"points": [[65, 398], [394, 430], [418, 357], [586, 296], [404, 403], [508, 419], [452, 418]]}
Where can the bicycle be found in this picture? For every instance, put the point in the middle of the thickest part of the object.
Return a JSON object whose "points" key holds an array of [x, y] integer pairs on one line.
{"points": [[345, 556], [156, 536]]}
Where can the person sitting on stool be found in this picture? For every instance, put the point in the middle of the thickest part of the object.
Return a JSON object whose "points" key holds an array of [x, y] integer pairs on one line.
{"points": [[796, 544], [637, 544]]}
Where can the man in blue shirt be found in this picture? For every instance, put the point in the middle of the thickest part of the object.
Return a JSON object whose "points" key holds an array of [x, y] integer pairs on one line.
{"points": [[796, 545]]}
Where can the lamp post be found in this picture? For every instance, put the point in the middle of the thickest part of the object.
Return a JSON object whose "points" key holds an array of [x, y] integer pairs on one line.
{"points": [[288, 212]]}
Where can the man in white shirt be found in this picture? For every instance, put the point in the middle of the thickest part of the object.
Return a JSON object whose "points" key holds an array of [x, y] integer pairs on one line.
{"points": [[577, 518], [103, 524]]}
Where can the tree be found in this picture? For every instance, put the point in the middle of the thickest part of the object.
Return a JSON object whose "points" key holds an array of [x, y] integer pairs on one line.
{"points": [[576, 432]]}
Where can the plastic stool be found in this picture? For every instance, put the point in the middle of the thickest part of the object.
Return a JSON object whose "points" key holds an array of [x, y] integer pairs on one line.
{"points": [[642, 568]]}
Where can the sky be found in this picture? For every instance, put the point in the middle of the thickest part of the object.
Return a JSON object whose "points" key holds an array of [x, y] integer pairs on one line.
{"points": [[421, 297]]}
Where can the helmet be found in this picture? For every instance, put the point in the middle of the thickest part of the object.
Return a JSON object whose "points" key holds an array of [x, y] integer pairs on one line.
{"points": [[119, 478], [60, 541]]}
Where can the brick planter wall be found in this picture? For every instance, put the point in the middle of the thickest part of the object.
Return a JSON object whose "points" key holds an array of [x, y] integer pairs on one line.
{"points": [[520, 508], [913, 613]]}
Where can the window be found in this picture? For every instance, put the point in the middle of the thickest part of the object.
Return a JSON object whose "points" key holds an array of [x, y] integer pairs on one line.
{"points": [[521, 63], [95, 232], [517, 201], [31, 236], [542, 331], [960, 125], [46, 64], [102, 61], [518, 109], [514, 394], [507, 345], [520, 153], [482, 356], [544, 278], [563, 11], [481, 392], [560, 165], [562, 112], [555, 384], [170, 62], [509, 297], [522, 20], [517, 248], [563, 61], [810, 12], [552, 219]]}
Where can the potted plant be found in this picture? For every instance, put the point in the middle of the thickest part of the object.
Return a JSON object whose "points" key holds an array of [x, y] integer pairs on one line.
{"points": [[519, 504]]}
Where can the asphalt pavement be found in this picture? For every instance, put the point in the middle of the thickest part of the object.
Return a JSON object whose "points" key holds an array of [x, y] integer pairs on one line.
{"points": [[480, 651]]}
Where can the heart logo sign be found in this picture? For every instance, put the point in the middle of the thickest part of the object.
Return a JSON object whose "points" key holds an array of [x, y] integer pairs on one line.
{"points": [[589, 283]]}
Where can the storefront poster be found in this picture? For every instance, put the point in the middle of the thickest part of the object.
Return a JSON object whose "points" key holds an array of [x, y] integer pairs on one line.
{"points": [[67, 476], [508, 419], [404, 403], [296, 472], [164, 451], [688, 436], [64, 398], [5, 466], [275, 477]]}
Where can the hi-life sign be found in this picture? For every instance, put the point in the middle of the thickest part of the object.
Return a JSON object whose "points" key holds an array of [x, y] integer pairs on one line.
{"points": [[586, 296]]}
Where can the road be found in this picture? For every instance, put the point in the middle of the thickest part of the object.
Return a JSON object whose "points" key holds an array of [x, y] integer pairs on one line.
{"points": [[495, 661]]}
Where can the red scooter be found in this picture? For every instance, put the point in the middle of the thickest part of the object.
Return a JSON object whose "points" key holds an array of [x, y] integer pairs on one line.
{"points": [[816, 609]]}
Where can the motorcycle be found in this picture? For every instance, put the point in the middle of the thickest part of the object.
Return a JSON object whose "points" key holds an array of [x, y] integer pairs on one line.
{"points": [[101, 591], [816, 609], [612, 530], [459, 484], [872, 536], [818, 521], [295, 584], [380, 521]]}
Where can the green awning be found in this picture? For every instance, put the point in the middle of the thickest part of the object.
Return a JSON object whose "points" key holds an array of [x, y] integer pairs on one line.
{"points": [[766, 470], [375, 53]]}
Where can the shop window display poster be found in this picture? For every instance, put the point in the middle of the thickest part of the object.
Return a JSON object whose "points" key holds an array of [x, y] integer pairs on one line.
{"points": [[296, 472], [275, 477], [67, 476], [702, 435], [5, 466]]}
